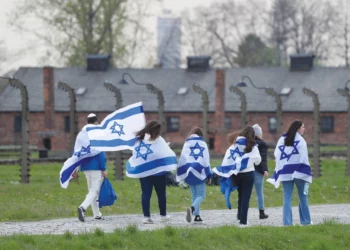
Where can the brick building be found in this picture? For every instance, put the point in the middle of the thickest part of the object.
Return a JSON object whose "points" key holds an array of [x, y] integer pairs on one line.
{"points": [[49, 106]]}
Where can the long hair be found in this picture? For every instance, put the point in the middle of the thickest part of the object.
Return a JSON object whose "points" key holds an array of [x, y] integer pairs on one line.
{"points": [[197, 131], [248, 133], [231, 137], [292, 130], [152, 128]]}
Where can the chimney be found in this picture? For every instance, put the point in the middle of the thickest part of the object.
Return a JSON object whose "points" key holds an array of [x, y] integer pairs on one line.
{"points": [[97, 62], [220, 144], [49, 98], [301, 62], [198, 63]]}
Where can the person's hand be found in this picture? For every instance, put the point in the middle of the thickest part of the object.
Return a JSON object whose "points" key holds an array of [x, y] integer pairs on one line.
{"points": [[209, 181], [266, 173], [104, 173], [75, 175]]}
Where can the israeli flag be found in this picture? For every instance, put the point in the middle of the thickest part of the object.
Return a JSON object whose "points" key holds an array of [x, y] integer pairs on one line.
{"points": [[292, 162], [150, 158], [117, 131], [237, 160], [82, 152], [194, 162]]}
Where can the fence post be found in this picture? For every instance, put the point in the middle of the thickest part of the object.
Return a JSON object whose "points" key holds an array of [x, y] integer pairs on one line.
{"points": [[25, 153], [118, 162], [205, 106], [316, 140], [345, 93], [242, 95], [72, 114], [153, 89], [278, 99]]}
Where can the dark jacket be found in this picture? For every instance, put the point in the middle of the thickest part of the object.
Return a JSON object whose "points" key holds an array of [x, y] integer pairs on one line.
{"points": [[262, 146]]}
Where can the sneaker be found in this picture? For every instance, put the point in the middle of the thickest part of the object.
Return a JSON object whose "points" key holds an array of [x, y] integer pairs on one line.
{"points": [[198, 219], [147, 220], [99, 218], [81, 213], [165, 218], [189, 215]]}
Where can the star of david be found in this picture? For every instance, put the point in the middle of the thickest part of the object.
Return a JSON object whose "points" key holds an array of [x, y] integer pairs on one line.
{"points": [[284, 155], [233, 152], [115, 131], [145, 146], [83, 151], [199, 154]]}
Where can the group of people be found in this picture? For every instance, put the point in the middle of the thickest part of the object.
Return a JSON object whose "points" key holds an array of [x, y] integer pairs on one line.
{"points": [[244, 166]]}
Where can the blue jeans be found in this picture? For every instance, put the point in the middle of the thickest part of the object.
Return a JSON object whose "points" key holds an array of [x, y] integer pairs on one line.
{"points": [[198, 195], [304, 212], [259, 189], [159, 183], [245, 182]]}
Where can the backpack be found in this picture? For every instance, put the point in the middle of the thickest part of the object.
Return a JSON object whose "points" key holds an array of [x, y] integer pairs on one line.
{"points": [[107, 196], [171, 179]]}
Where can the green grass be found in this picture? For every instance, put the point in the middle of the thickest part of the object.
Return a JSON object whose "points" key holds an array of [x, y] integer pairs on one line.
{"points": [[324, 236], [43, 198]]}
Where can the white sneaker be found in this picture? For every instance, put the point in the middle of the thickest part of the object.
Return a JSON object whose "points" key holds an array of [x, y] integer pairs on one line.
{"points": [[147, 220], [165, 218], [189, 215]]}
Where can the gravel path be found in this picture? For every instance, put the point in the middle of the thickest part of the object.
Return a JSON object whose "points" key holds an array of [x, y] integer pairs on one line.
{"points": [[212, 218]]}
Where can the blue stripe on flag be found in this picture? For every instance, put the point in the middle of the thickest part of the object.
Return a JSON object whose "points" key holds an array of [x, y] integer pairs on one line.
{"points": [[69, 171], [242, 141], [119, 116], [290, 169], [113, 143], [195, 165], [151, 165], [195, 139]]}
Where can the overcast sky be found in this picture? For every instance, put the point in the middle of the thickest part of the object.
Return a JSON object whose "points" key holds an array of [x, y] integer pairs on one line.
{"points": [[13, 42]]}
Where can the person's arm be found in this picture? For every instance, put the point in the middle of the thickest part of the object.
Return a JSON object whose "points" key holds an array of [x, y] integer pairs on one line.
{"points": [[263, 152], [102, 162]]}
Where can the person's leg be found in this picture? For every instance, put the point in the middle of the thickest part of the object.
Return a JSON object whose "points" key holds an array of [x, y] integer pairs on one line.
{"points": [[159, 183], [199, 197], [146, 188], [304, 212], [287, 202], [259, 185], [94, 179], [247, 188], [239, 190]]}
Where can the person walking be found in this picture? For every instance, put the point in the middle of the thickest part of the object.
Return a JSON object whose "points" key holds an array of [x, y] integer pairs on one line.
{"points": [[95, 170], [151, 159], [261, 171], [239, 163], [194, 169], [293, 168]]}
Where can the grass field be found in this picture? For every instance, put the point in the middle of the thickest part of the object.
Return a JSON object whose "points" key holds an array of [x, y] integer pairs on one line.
{"points": [[43, 198]]}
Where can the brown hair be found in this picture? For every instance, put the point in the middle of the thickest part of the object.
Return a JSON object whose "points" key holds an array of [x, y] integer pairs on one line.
{"points": [[248, 133], [292, 130], [197, 131], [231, 137], [152, 128]]}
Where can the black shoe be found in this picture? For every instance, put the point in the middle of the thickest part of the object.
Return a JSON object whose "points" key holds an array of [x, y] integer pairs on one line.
{"points": [[198, 219], [81, 213], [262, 215], [99, 218]]}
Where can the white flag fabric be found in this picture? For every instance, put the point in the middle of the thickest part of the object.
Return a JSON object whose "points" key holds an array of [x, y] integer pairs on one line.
{"points": [[82, 151], [150, 158], [237, 160], [194, 162], [292, 162], [117, 131]]}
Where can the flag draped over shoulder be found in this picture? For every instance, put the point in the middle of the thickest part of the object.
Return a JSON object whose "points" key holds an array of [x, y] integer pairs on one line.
{"points": [[82, 151], [117, 131], [236, 160], [194, 162], [150, 158], [292, 162]]}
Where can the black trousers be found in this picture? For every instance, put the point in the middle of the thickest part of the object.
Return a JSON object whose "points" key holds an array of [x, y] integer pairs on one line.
{"points": [[245, 182]]}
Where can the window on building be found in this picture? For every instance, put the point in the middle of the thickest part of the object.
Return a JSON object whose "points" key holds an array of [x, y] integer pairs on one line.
{"points": [[272, 125], [18, 123], [173, 124], [228, 122], [47, 143], [327, 124], [67, 124]]}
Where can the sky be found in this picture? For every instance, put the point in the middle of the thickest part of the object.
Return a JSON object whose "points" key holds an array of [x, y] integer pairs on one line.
{"points": [[13, 42]]}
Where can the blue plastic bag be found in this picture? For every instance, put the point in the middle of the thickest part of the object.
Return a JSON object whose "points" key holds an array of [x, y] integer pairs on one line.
{"points": [[107, 195]]}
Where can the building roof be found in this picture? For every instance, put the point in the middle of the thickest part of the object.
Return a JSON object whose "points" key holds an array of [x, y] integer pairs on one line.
{"points": [[324, 81]]}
